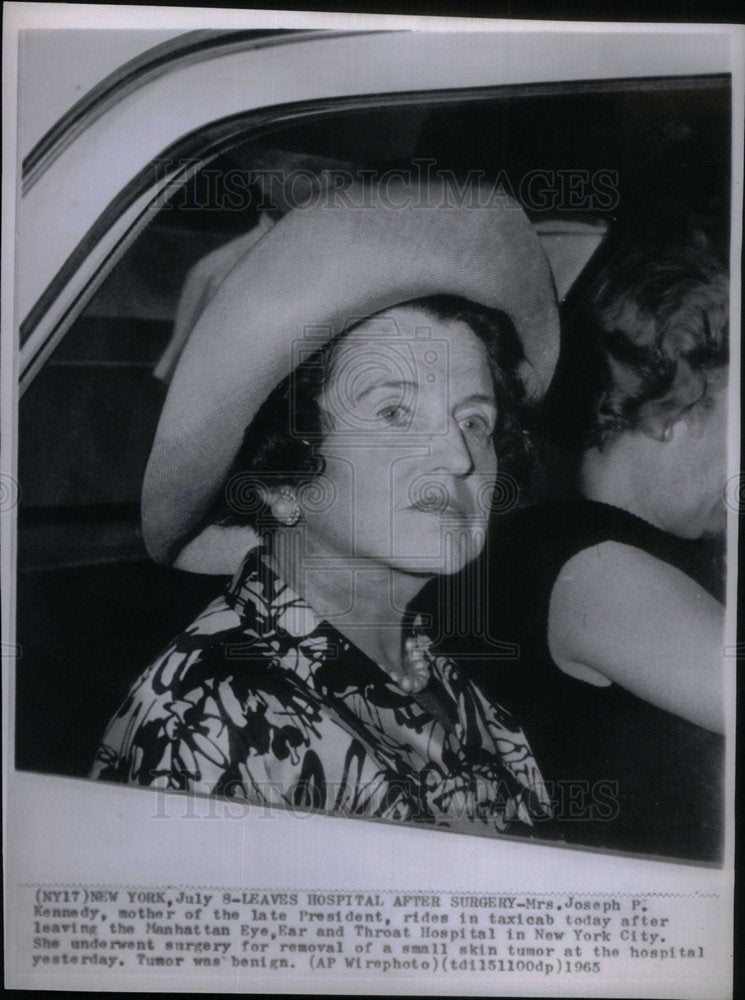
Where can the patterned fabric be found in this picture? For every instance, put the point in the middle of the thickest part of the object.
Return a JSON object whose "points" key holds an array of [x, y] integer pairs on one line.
{"points": [[262, 700]]}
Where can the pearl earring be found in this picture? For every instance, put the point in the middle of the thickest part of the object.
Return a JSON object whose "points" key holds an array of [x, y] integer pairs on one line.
{"points": [[292, 516]]}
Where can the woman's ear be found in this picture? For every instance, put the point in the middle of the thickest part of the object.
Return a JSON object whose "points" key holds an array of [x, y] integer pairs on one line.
{"points": [[659, 426], [283, 503]]}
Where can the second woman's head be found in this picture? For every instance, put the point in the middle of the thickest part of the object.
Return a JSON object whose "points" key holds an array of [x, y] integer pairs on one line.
{"points": [[658, 321]]}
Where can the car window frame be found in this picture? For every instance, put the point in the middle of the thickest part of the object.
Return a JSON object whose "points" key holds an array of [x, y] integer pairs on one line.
{"points": [[135, 205]]}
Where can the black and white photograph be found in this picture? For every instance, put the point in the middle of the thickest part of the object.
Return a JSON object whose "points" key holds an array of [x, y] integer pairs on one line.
{"points": [[370, 497]]}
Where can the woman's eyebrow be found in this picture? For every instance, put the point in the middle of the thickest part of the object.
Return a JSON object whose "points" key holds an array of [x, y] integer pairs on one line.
{"points": [[478, 397], [386, 384]]}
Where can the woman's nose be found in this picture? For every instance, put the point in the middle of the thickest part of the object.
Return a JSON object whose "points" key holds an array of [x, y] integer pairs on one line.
{"points": [[450, 452]]}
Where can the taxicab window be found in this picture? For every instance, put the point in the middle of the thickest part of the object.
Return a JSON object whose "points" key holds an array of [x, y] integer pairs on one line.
{"points": [[623, 158]]}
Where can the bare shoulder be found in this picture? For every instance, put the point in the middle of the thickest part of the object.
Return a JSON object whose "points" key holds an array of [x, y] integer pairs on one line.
{"points": [[620, 567], [614, 570], [619, 614]]}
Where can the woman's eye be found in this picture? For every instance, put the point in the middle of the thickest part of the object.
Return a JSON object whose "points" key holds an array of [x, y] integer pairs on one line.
{"points": [[477, 425], [396, 416]]}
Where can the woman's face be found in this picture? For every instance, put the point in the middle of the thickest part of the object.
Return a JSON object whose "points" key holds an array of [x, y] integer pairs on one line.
{"points": [[693, 467], [410, 461], [683, 474]]}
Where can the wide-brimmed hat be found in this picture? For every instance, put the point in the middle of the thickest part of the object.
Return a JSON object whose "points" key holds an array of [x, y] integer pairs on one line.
{"points": [[318, 268]]}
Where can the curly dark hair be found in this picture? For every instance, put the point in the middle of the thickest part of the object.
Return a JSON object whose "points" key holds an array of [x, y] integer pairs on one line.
{"points": [[279, 449], [657, 329]]}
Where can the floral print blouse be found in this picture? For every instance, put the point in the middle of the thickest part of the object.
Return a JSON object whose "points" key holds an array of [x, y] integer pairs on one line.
{"points": [[262, 700]]}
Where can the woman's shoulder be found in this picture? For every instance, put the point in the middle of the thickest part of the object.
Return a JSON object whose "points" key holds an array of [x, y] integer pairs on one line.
{"points": [[217, 690]]}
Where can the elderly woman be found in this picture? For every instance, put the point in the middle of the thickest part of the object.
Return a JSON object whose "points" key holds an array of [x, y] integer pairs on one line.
{"points": [[332, 435], [611, 599]]}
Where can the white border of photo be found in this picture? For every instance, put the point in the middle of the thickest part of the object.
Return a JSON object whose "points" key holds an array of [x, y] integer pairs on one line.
{"points": [[66, 832]]}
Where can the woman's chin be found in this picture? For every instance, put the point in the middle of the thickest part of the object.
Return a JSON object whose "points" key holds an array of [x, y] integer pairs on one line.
{"points": [[447, 556]]}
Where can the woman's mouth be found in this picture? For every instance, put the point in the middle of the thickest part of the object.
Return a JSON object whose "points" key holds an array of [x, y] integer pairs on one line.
{"points": [[443, 509]]}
